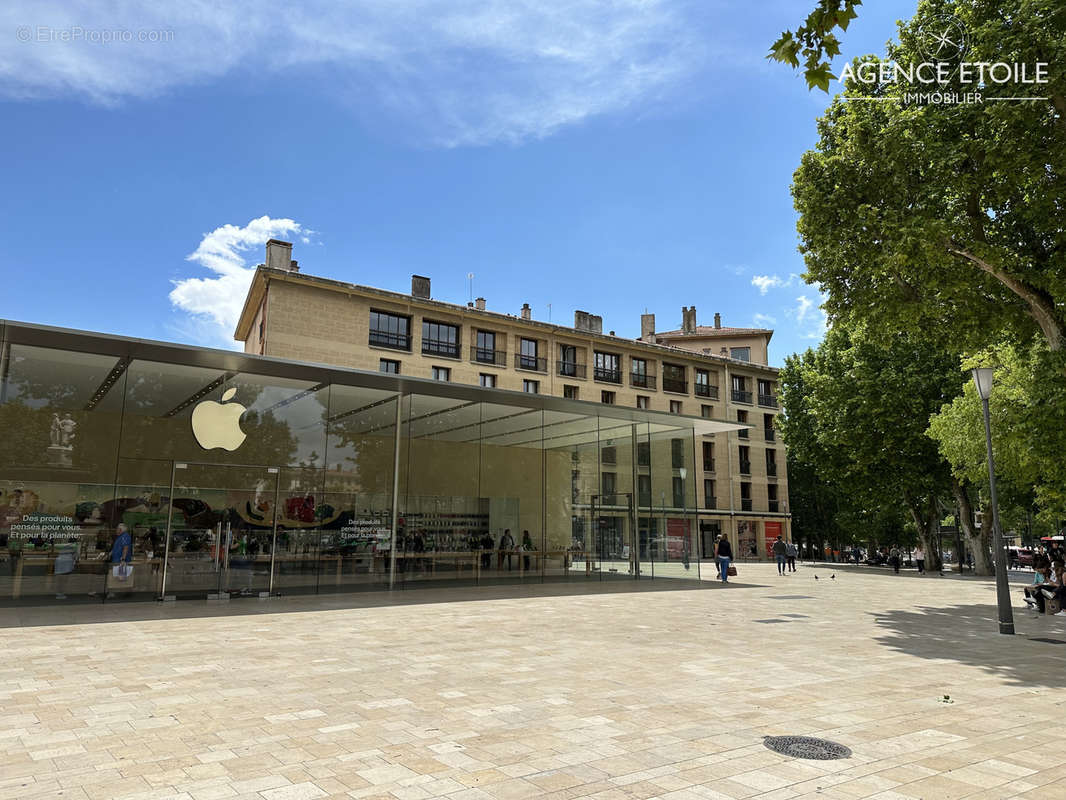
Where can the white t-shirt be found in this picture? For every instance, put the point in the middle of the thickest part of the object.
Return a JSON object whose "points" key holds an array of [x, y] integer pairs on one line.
{"points": [[919, 555]]}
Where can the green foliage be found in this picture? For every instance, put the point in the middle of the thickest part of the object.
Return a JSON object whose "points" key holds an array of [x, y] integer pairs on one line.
{"points": [[946, 217], [815, 41]]}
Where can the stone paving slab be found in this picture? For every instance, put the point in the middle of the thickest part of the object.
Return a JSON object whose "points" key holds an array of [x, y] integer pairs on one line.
{"points": [[616, 690]]}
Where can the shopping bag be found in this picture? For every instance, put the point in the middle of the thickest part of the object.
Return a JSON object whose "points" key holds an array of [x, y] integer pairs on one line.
{"points": [[731, 571], [122, 571]]}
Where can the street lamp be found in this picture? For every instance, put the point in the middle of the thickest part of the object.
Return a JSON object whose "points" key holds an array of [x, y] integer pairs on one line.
{"points": [[982, 379]]}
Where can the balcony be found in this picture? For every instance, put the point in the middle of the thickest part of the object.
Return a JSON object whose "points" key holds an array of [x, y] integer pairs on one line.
{"points": [[745, 468], [570, 369], [771, 469], [486, 355], [642, 380], [740, 396], [706, 390], [710, 501], [768, 434], [708, 465], [768, 400], [607, 375], [530, 363], [393, 341], [745, 504], [675, 385], [773, 506]]}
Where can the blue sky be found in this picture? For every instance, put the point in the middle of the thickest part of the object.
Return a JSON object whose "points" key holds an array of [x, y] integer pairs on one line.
{"points": [[614, 157]]}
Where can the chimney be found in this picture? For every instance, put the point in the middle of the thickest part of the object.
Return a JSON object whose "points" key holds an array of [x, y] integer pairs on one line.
{"points": [[279, 255], [595, 323], [581, 320], [688, 319], [294, 265], [480, 304], [527, 312], [420, 287], [717, 320], [647, 327]]}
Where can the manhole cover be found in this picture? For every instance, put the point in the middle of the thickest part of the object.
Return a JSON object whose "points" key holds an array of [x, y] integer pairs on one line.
{"points": [[806, 747]]}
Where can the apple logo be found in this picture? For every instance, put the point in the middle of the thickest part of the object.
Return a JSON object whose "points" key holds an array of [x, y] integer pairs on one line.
{"points": [[219, 424]]}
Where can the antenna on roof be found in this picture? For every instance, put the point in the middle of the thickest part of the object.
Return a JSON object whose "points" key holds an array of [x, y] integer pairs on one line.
{"points": [[549, 312], [470, 277]]}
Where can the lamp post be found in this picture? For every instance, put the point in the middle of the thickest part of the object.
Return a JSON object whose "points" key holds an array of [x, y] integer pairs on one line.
{"points": [[682, 472], [982, 378]]}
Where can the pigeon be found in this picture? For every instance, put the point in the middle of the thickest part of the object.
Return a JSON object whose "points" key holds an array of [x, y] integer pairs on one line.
{"points": [[832, 577], [816, 577]]}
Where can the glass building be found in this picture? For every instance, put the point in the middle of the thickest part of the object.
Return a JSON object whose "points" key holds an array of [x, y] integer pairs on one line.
{"points": [[133, 469]]}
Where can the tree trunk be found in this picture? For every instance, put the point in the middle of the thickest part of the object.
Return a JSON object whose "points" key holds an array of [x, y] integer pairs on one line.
{"points": [[925, 516], [978, 542]]}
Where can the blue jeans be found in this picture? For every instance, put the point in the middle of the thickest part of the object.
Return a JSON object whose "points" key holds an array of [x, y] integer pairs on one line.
{"points": [[780, 563], [723, 568]]}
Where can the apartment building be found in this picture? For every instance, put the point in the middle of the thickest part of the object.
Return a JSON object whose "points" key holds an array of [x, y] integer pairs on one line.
{"points": [[714, 372]]}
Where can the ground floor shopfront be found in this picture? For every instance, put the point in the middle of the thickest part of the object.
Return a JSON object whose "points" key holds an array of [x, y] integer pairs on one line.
{"points": [[135, 470]]}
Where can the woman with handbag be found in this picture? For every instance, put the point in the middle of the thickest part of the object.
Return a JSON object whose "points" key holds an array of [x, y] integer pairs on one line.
{"points": [[723, 552]]}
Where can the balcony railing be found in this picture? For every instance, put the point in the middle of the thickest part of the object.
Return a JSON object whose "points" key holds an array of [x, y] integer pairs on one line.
{"points": [[530, 363], [608, 375], [486, 355], [675, 385], [710, 501], [745, 468], [642, 380], [706, 390], [768, 400], [743, 433], [708, 465], [771, 469], [741, 396], [570, 369], [440, 347], [768, 434], [394, 341], [773, 506], [745, 504]]}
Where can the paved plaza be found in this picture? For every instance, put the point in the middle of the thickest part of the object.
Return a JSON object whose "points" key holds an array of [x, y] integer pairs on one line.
{"points": [[609, 690]]}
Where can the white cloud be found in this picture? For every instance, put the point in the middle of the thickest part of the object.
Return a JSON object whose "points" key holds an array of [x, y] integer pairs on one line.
{"points": [[214, 304], [803, 307], [765, 283], [458, 72], [809, 317], [764, 319]]}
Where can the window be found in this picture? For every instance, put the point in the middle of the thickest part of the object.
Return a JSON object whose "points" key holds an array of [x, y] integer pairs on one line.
{"points": [[487, 380], [485, 349], [608, 483], [531, 387], [606, 367], [708, 456], [766, 394], [771, 497], [609, 455], [643, 454], [390, 330], [677, 453], [440, 339], [740, 353], [639, 374], [771, 463], [768, 427], [607, 397], [644, 490], [674, 378], [442, 374], [703, 384], [740, 390], [675, 406], [389, 366], [570, 392], [745, 497], [745, 459], [642, 401], [527, 355], [679, 492], [709, 499], [568, 365], [742, 417], [706, 411]]}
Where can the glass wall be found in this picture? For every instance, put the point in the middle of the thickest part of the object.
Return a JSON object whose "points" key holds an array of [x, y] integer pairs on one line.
{"points": [[133, 470]]}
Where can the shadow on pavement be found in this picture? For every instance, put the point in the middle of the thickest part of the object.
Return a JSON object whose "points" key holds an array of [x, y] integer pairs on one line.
{"points": [[969, 634], [134, 611]]}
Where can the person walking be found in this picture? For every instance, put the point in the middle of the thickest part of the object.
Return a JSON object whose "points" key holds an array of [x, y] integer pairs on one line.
{"points": [[791, 551], [919, 560], [779, 555], [506, 549], [723, 553], [893, 558]]}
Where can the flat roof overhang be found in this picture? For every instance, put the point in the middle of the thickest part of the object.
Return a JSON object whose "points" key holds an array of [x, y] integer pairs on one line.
{"points": [[563, 422]]}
